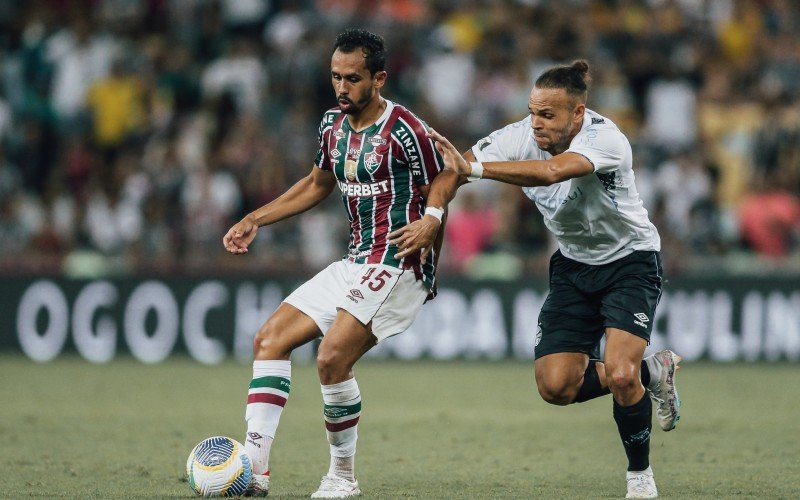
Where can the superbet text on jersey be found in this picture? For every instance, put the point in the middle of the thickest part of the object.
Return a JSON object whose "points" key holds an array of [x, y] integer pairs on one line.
{"points": [[380, 170]]}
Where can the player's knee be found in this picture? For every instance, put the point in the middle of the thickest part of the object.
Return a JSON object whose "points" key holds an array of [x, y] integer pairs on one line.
{"points": [[621, 379], [560, 394], [330, 364], [268, 343]]}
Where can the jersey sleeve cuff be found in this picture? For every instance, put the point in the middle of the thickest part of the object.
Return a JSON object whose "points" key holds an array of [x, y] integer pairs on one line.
{"points": [[478, 154], [594, 167]]}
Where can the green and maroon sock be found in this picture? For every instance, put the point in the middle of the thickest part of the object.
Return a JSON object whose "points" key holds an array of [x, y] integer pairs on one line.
{"points": [[266, 398], [342, 412]]}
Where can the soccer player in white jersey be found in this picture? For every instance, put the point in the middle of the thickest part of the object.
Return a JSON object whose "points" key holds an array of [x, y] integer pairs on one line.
{"points": [[605, 278], [379, 156]]}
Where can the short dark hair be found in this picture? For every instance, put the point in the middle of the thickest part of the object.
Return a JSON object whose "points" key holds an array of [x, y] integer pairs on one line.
{"points": [[371, 45], [573, 78]]}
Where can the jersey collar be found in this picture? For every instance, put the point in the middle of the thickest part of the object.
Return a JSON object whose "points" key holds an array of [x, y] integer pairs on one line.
{"points": [[375, 126]]}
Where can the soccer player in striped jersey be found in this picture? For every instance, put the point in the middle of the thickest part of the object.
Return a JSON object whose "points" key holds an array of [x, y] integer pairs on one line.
{"points": [[605, 278], [378, 155]]}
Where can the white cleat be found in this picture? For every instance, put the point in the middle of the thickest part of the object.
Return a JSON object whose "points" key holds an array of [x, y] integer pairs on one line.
{"points": [[663, 365], [259, 486], [336, 487], [641, 484]]}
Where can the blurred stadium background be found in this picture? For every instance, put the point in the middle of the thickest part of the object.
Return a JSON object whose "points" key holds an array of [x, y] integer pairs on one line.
{"points": [[133, 133]]}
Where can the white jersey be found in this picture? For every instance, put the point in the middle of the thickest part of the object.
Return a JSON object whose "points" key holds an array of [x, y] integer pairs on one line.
{"points": [[596, 218]]}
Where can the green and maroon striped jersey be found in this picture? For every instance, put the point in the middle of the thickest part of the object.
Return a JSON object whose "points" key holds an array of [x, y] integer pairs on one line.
{"points": [[380, 170]]}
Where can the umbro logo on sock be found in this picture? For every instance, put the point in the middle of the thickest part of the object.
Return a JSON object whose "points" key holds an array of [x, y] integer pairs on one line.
{"points": [[252, 437]]}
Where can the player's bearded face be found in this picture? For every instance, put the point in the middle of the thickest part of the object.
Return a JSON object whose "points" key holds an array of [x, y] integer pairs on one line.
{"points": [[554, 119], [352, 82]]}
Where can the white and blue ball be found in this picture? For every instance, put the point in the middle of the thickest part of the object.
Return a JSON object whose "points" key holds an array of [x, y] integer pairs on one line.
{"points": [[219, 467]]}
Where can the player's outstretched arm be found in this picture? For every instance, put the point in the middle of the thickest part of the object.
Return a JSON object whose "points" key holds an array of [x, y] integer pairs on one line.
{"points": [[305, 194], [522, 173], [453, 160]]}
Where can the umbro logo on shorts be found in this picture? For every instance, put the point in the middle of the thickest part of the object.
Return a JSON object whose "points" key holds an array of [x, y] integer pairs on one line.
{"points": [[355, 293], [641, 319]]}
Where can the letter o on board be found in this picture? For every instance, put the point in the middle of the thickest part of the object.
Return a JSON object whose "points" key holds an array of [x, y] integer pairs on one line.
{"points": [[42, 295], [151, 295]]}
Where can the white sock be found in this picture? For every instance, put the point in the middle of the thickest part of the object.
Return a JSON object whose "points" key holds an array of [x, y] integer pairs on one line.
{"points": [[343, 467], [342, 411], [266, 398]]}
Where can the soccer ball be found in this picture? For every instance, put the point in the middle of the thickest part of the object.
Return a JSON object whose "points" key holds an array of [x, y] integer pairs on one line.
{"points": [[219, 467]]}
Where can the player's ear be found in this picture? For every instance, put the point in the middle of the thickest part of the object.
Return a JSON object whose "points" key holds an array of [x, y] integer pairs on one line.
{"points": [[580, 110], [379, 79]]}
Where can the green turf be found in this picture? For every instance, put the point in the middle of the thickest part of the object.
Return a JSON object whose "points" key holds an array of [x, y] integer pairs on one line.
{"points": [[429, 430]]}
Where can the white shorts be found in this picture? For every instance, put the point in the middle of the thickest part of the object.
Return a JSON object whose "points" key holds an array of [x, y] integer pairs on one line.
{"points": [[387, 296]]}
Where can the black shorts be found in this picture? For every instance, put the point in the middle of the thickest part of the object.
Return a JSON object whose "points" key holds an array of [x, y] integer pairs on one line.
{"points": [[584, 300]]}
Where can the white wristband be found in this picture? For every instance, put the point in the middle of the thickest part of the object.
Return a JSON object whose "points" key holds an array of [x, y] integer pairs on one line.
{"points": [[435, 212], [477, 171]]}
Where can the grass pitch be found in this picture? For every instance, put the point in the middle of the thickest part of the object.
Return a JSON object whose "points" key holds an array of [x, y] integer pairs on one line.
{"points": [[429, 430]]}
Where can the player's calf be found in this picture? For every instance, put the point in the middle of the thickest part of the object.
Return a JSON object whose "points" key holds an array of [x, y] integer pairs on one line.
{"points": [[592, 386]]}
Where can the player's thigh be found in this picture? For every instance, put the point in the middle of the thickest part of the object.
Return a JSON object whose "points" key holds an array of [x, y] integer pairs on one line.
{"points": [[346, 340], [286, 329], [400, 308], [318, 297], [632, 294], [569, 322]]}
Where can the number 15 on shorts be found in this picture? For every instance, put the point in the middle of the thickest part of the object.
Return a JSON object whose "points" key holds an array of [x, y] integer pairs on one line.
{"points": [[372, 284], [375, 281]]}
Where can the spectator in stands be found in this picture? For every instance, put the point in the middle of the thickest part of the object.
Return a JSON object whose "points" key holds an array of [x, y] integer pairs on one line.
{"points": [[769, 219], [222, 97]]}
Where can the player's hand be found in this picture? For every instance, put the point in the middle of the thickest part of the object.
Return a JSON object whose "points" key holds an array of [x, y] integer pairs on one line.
{"points": [[239, 237], [419, 235], [452, 158]]}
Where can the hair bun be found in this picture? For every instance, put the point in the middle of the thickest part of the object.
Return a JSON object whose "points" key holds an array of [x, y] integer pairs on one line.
{"points": [[581, 66]]}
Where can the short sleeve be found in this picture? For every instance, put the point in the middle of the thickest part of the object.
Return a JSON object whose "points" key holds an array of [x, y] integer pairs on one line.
{"points": [[423, 159], [432, 162], [322, 159], [506, 144], [606, 149]]}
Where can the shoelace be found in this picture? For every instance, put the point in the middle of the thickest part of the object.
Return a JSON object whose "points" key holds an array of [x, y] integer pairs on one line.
{"points": [[332, 482], [640, 482]]}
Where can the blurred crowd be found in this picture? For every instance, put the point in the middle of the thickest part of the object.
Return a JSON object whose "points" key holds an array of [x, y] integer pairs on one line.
{"points": [[133, 133]]}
